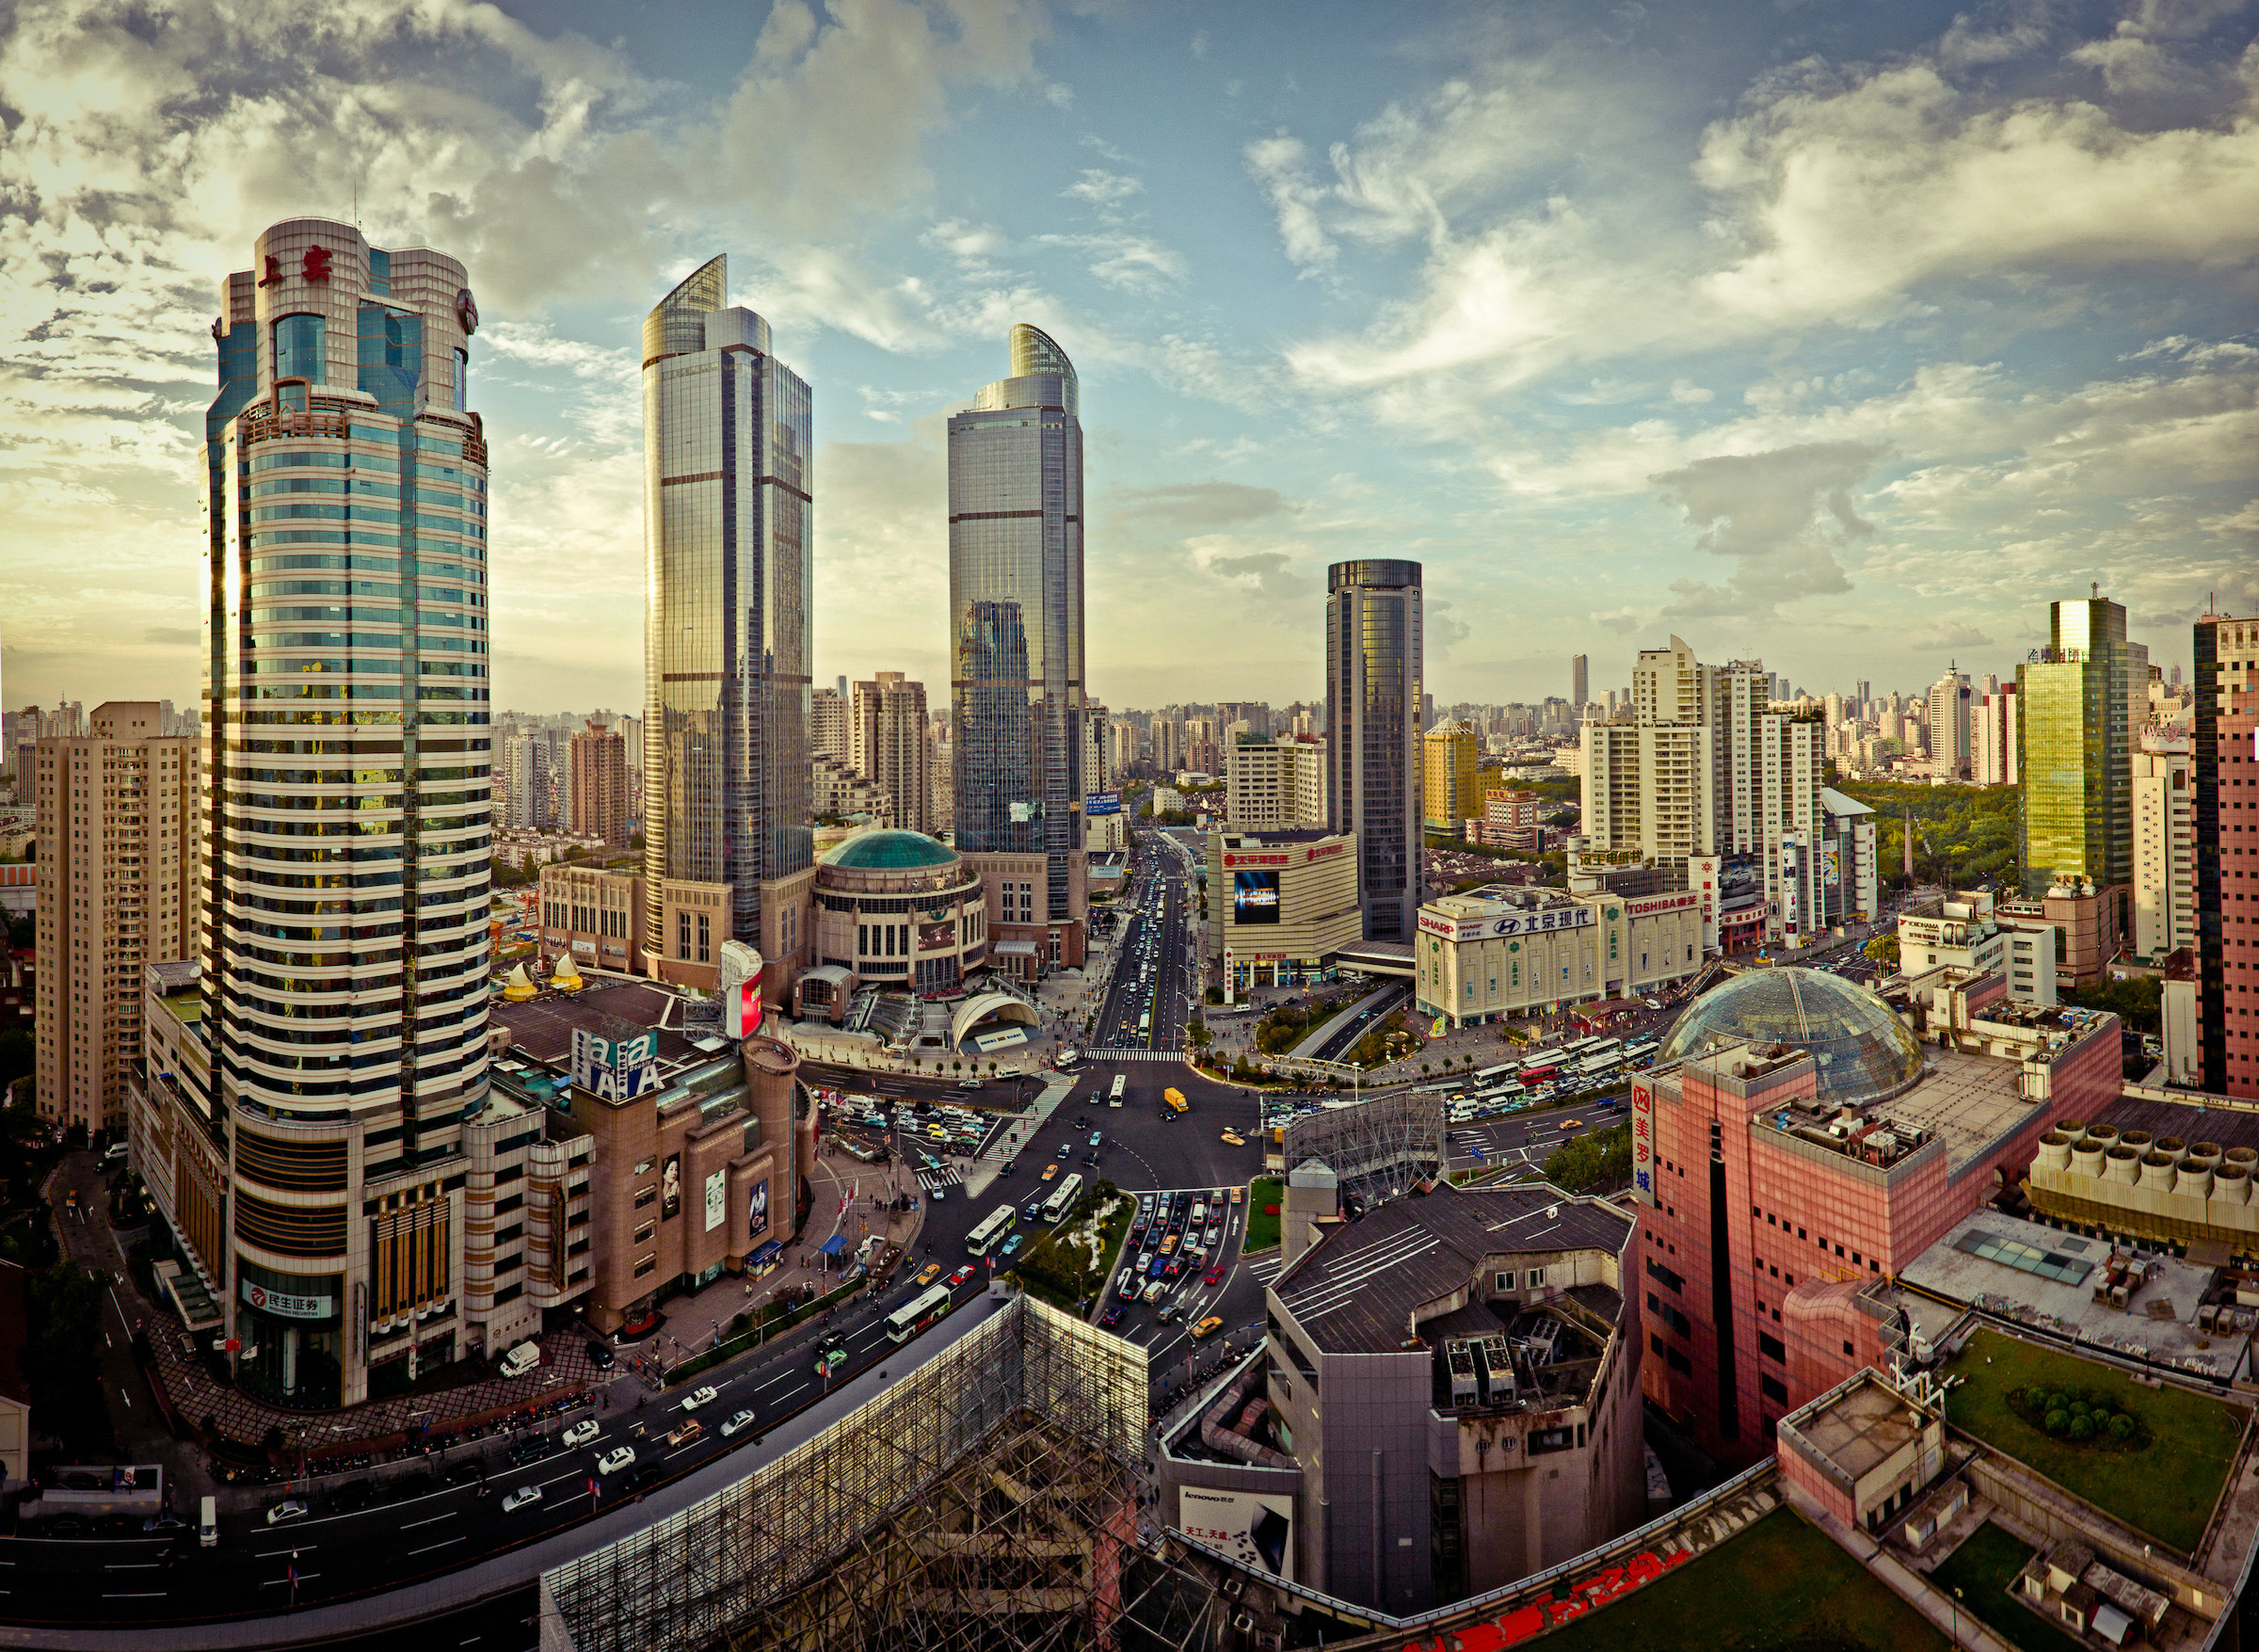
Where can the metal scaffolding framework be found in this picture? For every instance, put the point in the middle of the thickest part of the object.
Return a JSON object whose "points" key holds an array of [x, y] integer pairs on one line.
{"points": [[987, 1500], [1376, 1149]]}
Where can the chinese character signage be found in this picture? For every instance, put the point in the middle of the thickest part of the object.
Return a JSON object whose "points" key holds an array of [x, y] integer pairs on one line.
{"points": [[1094, 802], [1254, 1530], [717, 1196], [1642, 1144]]}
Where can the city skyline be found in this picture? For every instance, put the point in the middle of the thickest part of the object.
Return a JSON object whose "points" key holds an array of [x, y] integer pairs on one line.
{"points": [[1561, 314]]}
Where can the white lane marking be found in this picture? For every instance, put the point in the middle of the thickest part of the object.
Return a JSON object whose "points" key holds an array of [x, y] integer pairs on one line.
{"points": [[426, 1549], [432, 1520]]}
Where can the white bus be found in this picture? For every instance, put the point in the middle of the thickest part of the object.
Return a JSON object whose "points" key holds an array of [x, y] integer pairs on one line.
{"points": [[1600, 1061], [1491, 1075], [1063, 1199], [1581, 1047], [1641, 1050], [992, 1228], [1113, 1097], [1144, 1025], [916, 1314]]}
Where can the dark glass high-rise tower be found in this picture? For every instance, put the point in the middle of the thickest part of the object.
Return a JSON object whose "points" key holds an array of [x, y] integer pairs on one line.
{"points": [[1372, 696], [1015, 619], [727, 483]]}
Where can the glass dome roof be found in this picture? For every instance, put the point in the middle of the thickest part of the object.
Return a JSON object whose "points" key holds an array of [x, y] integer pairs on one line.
{"points": [[891, 851], [1863, 1050]]}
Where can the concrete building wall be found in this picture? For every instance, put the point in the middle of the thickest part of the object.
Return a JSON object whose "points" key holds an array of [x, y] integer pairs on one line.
{"points": [[117, 812], [2164, 895]]}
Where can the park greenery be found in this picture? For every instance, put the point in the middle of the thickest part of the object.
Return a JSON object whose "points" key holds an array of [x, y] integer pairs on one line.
{"points": [[2137, 1001], [1069, 1265], [62, 1358], [1595, 1163], [1963, 836]]}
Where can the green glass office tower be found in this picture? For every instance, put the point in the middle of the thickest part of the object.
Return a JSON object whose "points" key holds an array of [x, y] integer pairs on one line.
{"points": [[2078, 702]]}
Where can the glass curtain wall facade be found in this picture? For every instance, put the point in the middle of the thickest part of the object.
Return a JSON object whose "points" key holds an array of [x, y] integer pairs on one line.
{"points": [[729, 488], [1016, 616], [1372, 676], [346, 813], [2079, 701]]}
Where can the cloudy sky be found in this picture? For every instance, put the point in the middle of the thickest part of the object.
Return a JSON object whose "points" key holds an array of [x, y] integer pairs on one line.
{"points": [[1839, 333]]}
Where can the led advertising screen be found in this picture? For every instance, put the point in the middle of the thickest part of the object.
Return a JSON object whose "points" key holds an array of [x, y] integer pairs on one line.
{"points": [[936, 938], [1255, 897]]}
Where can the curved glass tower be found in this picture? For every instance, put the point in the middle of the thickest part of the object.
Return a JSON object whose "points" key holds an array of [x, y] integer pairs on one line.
{"points": [[727, 508], [345, 830], [1372, 689], [1016, 625]]}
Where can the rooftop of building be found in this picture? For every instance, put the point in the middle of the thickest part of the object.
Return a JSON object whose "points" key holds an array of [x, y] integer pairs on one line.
{"points": [[1855, 1428], [541, 1029], [1490, 898], [2196, 1117], [1360, 1289], [890, 849], [1963, 1102], [1863, 1050], [1274, 836], [2044, 1276]]}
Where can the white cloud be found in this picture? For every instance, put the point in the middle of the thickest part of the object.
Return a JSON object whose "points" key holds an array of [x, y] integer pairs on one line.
{"points": [[1103, 188]]}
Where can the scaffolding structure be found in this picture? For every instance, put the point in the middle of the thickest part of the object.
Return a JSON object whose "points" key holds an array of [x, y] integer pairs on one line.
{"points": [[986, 1501], [1376, 1149]]}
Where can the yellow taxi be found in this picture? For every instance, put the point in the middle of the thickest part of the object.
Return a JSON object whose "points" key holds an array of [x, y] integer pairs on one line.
{"points": [[1233, 1139], [928, 1274], [1239, 1195], [1207, 1327], [1050, 1170]]}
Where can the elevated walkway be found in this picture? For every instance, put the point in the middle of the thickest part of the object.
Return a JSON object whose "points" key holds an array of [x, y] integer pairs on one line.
{"points": [[1377, 957]]}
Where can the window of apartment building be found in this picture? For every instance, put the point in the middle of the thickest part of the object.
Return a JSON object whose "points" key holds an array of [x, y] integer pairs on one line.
{"points": [[646, 1264], [705, 948], [644, 1195], [1771, 1348], [1536, 1277], [645, 1230], [682, 935], [1773, 1388]]}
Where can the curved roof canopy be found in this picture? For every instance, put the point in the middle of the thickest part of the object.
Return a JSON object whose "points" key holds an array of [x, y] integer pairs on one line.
{"points": [[984, 1007], [889, 850]]}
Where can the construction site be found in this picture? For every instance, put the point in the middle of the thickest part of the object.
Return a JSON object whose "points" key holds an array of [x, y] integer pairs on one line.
{"points": [[989, 1501]]}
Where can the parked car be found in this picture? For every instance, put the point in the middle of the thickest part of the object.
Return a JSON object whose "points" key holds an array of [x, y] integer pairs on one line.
{"points": [[601, 1357]]}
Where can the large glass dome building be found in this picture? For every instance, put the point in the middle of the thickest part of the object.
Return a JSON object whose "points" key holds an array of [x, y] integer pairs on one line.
{"points": [[1864, 1053]]}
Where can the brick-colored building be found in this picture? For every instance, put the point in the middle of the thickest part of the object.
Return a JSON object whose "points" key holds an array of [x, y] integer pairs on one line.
{"points": [[2226, 752], [116, 823], [1794, 1146], [600, 785]]}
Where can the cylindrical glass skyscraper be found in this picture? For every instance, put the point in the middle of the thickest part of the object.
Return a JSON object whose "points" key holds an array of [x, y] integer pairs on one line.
{"points": [[1372, 697], [729, 486], [1015, 632]]}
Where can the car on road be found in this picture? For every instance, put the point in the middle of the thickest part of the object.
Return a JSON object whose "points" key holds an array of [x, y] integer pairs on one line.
{"points": [[290, 1508], [739, 1421], [1150, 1265], [1655, 1004], [1012, 1245], [1239, 1195], [1168, 1243], [1097, 1137], [581, 1433], [1207, 1327], [1214, 1274], [1154, 1292], [959, 1277], [1573, 1124], [706, 1396], [1126, 1287], [1169, 1312], [525, 1496], [928, 1274], [1050, 1171], [166, 1522], [969, 1083], [1215, 1235], [684, 1432], [1111, 1316], [1233, 1139], [613, 1461], [1171, 1267]]}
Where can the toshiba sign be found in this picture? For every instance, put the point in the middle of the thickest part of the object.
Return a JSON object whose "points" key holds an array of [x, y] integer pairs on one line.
{"points": [[1650, 906]]}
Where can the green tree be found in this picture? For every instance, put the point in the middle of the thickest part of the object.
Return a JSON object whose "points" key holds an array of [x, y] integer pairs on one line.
{"points": [[62, 1354], [1597, 1161], [2136, 1000]]}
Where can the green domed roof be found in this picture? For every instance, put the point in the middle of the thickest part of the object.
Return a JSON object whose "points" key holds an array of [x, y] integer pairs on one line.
{"points": [[891, 851], [1863, 1050]]}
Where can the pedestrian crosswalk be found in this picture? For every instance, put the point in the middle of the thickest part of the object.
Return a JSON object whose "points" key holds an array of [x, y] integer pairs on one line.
{"points": [[1134, 1055], [949, 1175]]}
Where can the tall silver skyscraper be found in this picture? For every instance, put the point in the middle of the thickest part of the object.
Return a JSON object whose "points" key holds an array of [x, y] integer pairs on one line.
{"points": [[727, 486], [1015, 632], [345, 830], [1580, 682], [1374, 695]]}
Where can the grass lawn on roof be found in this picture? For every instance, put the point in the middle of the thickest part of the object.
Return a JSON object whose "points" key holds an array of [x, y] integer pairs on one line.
{"points": [[2167, 1488], [1984, 1569], [1772, 1585]]}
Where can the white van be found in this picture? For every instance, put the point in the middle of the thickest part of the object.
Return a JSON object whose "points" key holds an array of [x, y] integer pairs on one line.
{"points": [[520, 1359], [208, 1523]]}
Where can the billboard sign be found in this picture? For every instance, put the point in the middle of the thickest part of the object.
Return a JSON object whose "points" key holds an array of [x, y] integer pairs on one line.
{"points": [[1101, 803], [936, 938], [1642, 1144], [617, 1070], [285, 1306], [756, 1209], [740, 989], [670, 1188], [1255, 897], [1654, 904], [1254, 1529], [717, 1196], [1538, 922]]}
